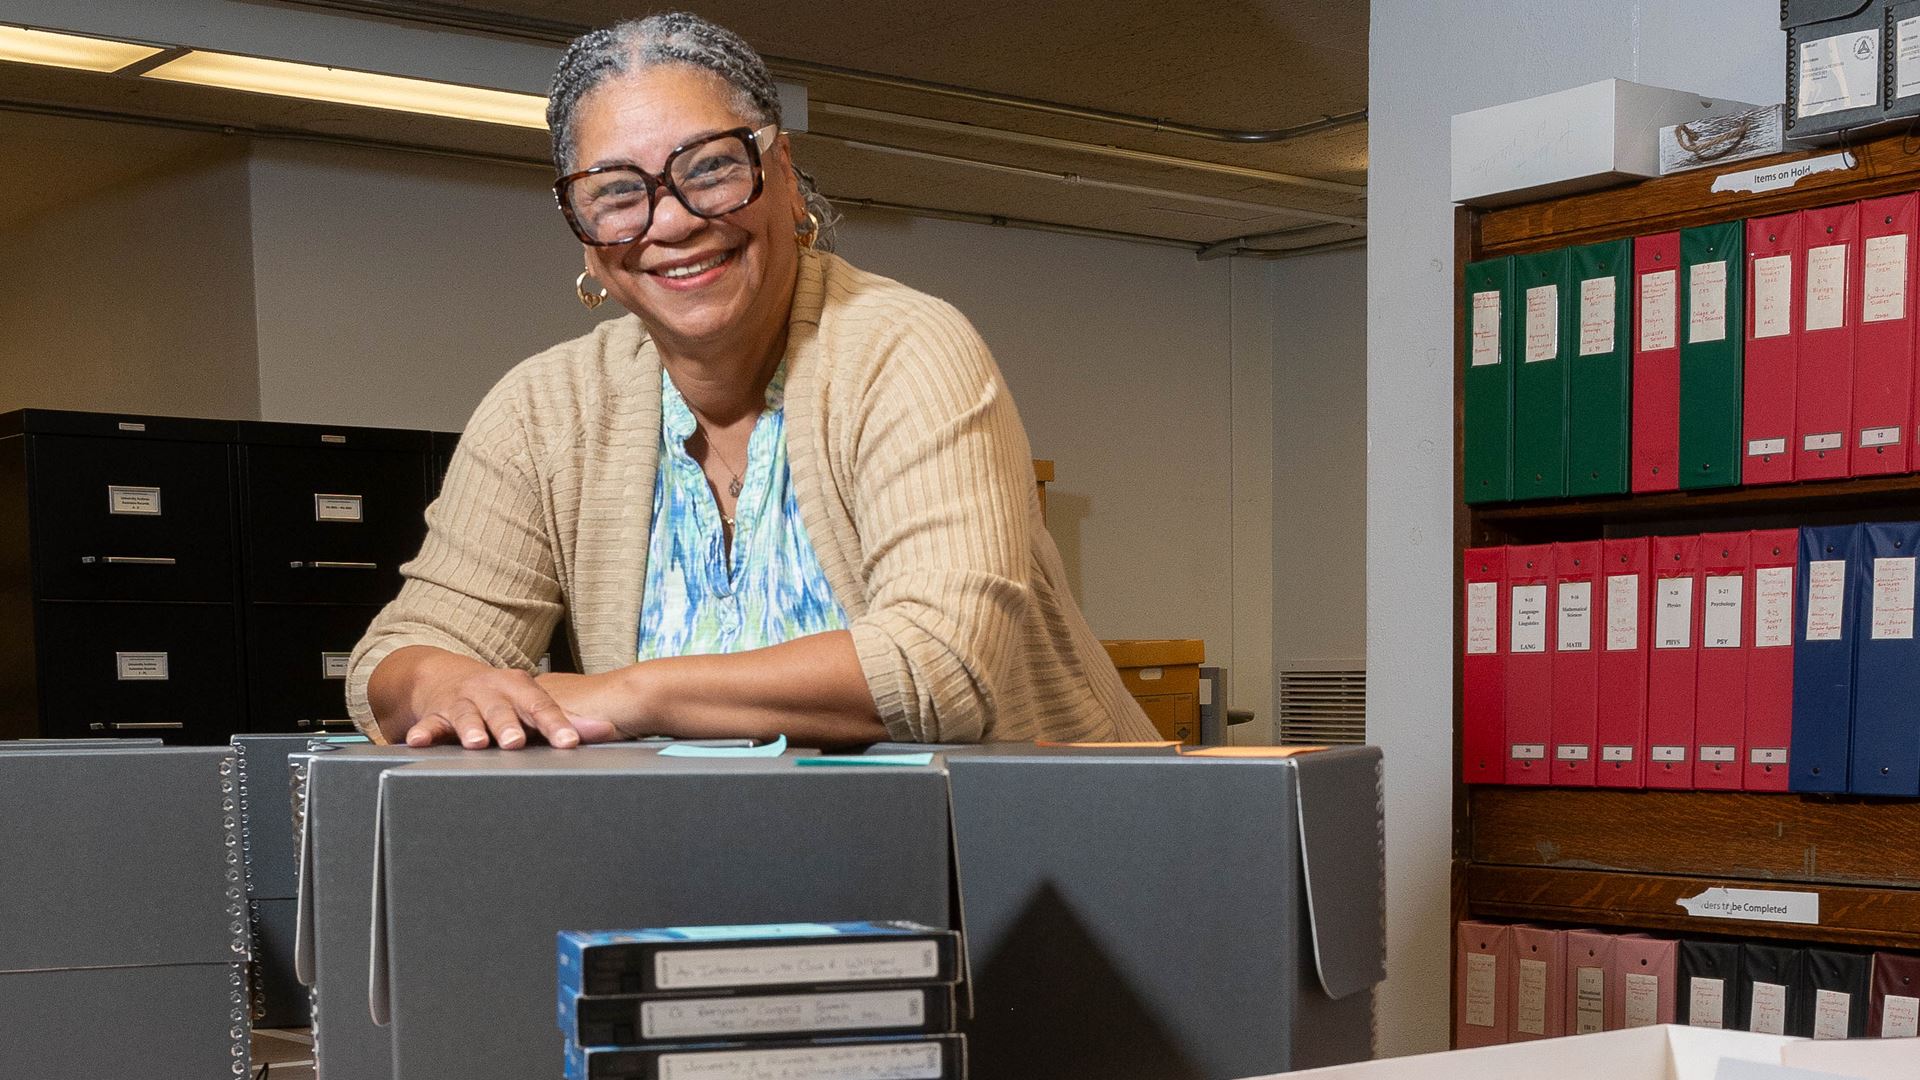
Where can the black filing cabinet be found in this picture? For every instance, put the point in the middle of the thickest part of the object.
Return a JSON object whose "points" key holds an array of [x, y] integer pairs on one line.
{"points": [[118, 577], [328, 514]]}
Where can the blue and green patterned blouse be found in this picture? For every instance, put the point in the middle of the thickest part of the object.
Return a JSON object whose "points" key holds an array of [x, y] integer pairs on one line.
{"points": [[774, 589]]}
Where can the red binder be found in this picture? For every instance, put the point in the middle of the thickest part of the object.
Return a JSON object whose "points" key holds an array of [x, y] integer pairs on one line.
{"points": [[1578, 599], [1883, 350], [1641, 982], [1770, 663], [1720, 715], [1823, 387], [1483, 675], [1539, 984], [1774, 309], [1656, 362], [1483, 984], [1620, 721], [1529, 662], [1673, 661]]}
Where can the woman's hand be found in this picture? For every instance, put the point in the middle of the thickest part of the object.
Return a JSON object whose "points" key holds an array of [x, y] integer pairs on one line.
{"points": [[443, 697], [602, 708]]}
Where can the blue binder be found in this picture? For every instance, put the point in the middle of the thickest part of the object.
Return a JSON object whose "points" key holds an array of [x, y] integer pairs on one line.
{"points": [[1886, 668], [1823, 640]]}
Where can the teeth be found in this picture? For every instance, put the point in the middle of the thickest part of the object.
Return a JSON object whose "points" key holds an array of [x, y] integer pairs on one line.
{"points": [[696, 268]]}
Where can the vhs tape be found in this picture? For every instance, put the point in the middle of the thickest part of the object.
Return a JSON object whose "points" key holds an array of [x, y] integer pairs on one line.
{"points": [[938, 1057], [634, 1020], [711, 958]]}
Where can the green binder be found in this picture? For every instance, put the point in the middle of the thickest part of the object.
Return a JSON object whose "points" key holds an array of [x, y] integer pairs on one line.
{"points": [[1600, 373], [1712, 327], [1540, 303], [1488, 423]]}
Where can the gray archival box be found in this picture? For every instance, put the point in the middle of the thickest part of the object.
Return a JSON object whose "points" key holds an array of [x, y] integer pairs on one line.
{"points": [[122, 918]]}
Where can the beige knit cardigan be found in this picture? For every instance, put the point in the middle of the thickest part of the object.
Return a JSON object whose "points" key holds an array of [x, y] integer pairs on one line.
{"points": [[913, 478]]}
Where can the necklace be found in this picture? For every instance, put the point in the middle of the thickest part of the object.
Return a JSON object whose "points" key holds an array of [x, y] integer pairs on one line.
{"points": [[733, 488]]}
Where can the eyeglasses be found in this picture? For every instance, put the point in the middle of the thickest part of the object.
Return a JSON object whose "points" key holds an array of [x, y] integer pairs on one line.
{"points": [[711, 176]]}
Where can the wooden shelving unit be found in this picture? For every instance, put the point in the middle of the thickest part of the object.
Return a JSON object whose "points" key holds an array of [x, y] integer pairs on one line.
{"points": [[1625, 858]]}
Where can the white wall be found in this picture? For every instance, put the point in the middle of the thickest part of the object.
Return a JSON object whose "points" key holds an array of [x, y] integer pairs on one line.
{"points": [[394, 289], [1429, 61], [1320, 437], [137, 298]]}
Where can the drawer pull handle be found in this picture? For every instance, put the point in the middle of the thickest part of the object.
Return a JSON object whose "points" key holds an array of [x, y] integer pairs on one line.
{"points": [[325, 564], [151, 725], [130, 560]]}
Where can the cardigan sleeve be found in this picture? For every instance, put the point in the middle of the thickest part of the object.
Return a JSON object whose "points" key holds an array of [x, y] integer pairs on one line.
{"points": [[942, 480], [483, 584]]}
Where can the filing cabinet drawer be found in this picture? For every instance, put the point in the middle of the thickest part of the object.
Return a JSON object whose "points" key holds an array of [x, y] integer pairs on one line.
{"points": [[131, 519], [170, 670], [331, 526], [297, 665]]}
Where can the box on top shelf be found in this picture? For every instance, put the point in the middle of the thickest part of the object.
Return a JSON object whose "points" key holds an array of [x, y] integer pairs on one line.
{"points": [[1842, 66], [1590, 136]]}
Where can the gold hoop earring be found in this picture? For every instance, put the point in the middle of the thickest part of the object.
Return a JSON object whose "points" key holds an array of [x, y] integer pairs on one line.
{"points": [[811, 234], [587, 299]]}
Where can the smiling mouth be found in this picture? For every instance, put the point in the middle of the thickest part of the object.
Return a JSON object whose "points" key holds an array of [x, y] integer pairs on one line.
{"points": [[675, 273]]}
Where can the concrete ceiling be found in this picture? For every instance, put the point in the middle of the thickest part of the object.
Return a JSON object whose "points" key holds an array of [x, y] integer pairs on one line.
{"points": [[1244, 65]]}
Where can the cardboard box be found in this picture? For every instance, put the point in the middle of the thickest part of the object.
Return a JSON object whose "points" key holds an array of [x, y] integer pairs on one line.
{"points": [[268, 845], [131, 1023], [485, 858], [1837, 62], [1143, 915], [1591, 136], [1163, 675], [1866, 1059]]}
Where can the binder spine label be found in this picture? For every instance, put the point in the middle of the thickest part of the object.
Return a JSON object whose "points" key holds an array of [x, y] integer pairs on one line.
{"points": [[1530, 1002], [1763, 447], [1529, 632], [1706, 1002], [704, 969], [1769, 1009], [1482, 986], [1486, 328], [1826, 599], [1722, 627], [1829, 440], [1576, 617], [1673, 623], [1879, 436], [1571, 752], [1772, 296], [1543, 323], [1899, 1017], [1884, 288], [1589, 1009], [1768, 755], [1596, 316], [1892, 599], [1721, 754], [703, 1017], [1707, 302], [1623, 612], [1658, 322], [1616, 753], [913, 1061], [1643, 1000], [1483, 618], [1529, 751], [1827, 287], [1772, 607], [1668, 753], [1831, 1011]]}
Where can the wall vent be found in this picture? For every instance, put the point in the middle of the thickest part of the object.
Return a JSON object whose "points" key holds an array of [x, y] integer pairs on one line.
{"points": [[1323, 703]]}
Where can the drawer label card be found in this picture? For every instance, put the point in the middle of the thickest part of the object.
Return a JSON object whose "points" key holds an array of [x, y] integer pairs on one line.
{"points": [[337, 508], [1755, 905], [333, 665], [139, 501], [140, 666]]}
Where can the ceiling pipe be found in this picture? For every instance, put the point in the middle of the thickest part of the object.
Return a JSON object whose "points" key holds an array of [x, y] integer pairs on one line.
{"points": [[1264, 209], [456, 17], [1075, 146]]}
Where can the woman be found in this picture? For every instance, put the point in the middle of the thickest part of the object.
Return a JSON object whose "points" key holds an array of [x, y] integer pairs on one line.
{"points": [[844, 543]]}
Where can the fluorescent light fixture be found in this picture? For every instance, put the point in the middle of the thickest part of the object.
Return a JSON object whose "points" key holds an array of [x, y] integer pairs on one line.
{"points": [[45, 47], [314, 82]]}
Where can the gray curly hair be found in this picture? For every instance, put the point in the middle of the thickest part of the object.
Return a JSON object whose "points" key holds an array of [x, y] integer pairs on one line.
{"points": [[677, 37]]}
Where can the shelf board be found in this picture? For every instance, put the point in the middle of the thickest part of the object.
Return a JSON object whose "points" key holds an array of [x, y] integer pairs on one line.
{"points": [[1685, 199], [1813, 501], [1777, 838], [1849, 915]]}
